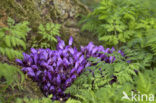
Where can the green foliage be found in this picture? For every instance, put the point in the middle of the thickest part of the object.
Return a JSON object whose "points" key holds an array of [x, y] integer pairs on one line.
{"points": [[145, 36], [90, 3], [150, 40], [9, 78], [102, 87], [127, 24], [43, 100], [12, 43], [117, 21], [108, 94], [12, 37], [139, 55], [104, 74], [10, 73], [72, 101], [47, 35], [33, 100], [143, 83]]}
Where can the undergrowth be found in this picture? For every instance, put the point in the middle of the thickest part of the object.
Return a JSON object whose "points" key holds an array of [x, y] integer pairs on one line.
{"points": [[128, 25]]}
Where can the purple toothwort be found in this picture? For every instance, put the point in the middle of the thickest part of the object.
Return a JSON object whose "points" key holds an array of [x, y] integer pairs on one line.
{"points": [[56, 70]]}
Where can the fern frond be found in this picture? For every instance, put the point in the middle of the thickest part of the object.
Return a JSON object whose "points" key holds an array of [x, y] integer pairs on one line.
{"points": [[72, 101], [145, 82], [13, 39], [10, 73], [151, 40], [11, 53], [48, 35]]}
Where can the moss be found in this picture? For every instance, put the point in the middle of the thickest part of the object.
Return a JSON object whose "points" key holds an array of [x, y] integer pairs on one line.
{"points": [[36, 12], [22, 10]]}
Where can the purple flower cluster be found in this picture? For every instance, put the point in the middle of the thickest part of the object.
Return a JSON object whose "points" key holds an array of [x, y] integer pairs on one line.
{"points": [[56, 70], [99, 52]]}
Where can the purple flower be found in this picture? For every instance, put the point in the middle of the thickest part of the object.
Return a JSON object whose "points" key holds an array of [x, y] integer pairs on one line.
{"points": [[38, 73], [56, 70], [34, 51], [26, 69], [128, 61], [80, 69], [49, 75], [76, 64], [52, 88], [73, 70], [90, 46], [68, 82], [87, 65], [50, 61], [70, 40], [61, 44], [20, 62], [77, 55], [44, 55], [94, 50], [59, 62], [31, 73], [59, 90], [107, 50], [35, 58], [71, 60], [81, 59], [58, 79], [30, 61], [50, 68], [113, 49], [73, 77], [34, 67], [26, 57], [65, 61], [71, 50], [48, 84], [121, 53], [63, 76], [44, 64], [111, 59], [45, 88]]}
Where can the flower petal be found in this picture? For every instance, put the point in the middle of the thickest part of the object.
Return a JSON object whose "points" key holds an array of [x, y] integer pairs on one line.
{"points": [[70, 41], [19, 62]]}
